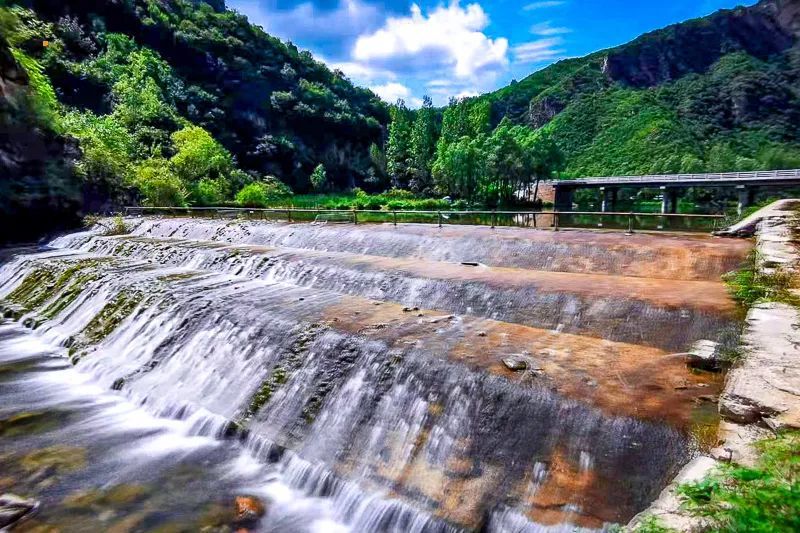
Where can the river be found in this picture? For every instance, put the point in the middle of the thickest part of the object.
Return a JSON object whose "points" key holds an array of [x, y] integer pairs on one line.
{"points": [[355, 378]]}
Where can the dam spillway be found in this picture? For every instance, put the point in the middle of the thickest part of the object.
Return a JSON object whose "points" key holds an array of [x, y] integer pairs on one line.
{"points": [[360, 369]]}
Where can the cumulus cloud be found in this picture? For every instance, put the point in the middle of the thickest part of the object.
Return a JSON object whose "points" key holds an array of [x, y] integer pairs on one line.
{"points": [[448, 37], [393, 91], [538, 51]]}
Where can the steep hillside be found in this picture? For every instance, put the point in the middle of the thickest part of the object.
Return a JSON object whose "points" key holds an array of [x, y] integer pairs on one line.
{"points": [[718, 93], [276, 110], [38, 189]]}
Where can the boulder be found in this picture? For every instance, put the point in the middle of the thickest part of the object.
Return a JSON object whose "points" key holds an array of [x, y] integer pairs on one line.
{"points": [[516, 363], [703, 356], [14, 509], [248, 510]]}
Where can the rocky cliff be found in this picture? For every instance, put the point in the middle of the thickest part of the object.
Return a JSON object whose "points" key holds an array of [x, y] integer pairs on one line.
{"points": [[768, 28], [38, 192]]}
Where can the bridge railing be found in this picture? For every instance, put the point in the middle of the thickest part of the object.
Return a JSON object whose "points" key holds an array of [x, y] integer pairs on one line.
{"points": [[629, 221], [666, 178]]}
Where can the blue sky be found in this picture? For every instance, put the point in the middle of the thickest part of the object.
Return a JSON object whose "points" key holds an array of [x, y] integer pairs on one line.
{"points": [[404, 49]]}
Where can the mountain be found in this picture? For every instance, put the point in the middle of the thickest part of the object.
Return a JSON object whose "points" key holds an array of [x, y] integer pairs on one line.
{"points": [[719, 93], [274, 109]]}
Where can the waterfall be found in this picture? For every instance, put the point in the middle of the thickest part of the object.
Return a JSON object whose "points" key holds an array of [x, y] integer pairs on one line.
{"points": [[361, 367]]}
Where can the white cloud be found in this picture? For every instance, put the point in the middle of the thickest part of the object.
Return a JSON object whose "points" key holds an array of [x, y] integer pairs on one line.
{"points": [[349, 18], [393, 91], [538, 51], [448, 37], [361, 72], [543, 5], [546, 29]]}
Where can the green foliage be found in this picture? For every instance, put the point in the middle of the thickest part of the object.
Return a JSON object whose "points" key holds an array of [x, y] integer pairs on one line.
{"points": [[423, 147], [159, 186], [198, 156], [41, 96], [208, 192], [319, 178], [749, 285], [263, 193], [398, 146], [651, 524], [108, 148], [761, 499]]}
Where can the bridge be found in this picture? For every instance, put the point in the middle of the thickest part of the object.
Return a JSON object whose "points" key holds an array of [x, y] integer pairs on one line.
{"points": [[745, 183]]}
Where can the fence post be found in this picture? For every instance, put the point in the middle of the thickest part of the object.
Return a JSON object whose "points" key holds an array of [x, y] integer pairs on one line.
{"points": [[494, 218], [289, 214], [355, 216], [394, 216], [555, 221], [439, 214], [534, 220], [630, 223]]}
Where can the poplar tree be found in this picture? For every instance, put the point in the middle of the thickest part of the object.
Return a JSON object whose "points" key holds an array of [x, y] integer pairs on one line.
{"points": [[398, 147], [423, 146]]}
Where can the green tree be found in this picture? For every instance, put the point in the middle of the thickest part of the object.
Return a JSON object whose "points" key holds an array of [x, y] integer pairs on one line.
{"points": [[108, 151], [209, 192], [398, 147], [262, 193], [159, 185], [423, 146], [198, 155], [319, 178]]}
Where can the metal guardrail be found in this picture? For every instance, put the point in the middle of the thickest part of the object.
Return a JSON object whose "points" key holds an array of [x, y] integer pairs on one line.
{"points": [[667, 178], [442, 217]]}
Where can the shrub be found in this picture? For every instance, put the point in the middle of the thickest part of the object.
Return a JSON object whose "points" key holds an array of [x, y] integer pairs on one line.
{"points": [[209, 192], [399, 194], [158, 185], [319, 178], [262, 193]]}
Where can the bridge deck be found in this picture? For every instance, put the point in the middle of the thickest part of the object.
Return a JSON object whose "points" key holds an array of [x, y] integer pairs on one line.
{"points": [[773, 177]]}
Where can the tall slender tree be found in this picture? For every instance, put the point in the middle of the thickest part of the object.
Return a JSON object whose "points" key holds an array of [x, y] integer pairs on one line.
{"points": [[398, 147], [423, 146]]}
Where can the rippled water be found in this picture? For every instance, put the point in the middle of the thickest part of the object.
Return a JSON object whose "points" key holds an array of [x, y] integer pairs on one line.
{"points": [[351, 378]]}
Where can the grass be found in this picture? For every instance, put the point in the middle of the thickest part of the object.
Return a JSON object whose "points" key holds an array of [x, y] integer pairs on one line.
{"points": [[749, 285], [765, 498]]}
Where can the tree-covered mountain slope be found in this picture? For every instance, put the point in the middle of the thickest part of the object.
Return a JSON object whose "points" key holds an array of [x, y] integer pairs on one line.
{"points": [[720, 93], [137, 72]]}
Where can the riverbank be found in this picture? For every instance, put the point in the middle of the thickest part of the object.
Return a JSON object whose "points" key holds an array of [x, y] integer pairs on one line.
{"points": [[761, 397]]}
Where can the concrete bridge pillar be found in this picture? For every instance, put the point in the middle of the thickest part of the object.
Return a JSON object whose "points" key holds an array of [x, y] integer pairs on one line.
{"points": [[563, 199], [746, 195], [669, 202], [608, 197]]}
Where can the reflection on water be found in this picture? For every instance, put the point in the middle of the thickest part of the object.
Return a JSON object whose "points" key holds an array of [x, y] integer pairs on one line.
{"points": [[346, 386]]}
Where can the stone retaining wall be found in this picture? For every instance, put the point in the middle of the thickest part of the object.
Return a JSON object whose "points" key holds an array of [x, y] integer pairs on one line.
{"points": [[762, 394]]}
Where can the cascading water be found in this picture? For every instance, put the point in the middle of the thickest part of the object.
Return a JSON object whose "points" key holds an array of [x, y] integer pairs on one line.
{"points": [[353, 379]]}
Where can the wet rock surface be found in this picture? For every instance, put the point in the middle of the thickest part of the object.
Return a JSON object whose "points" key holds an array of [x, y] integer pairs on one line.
{"points": [[14, 509], [347, 374]]}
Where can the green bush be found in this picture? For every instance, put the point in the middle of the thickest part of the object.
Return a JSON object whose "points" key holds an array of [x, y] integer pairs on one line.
{"points": [[159, 186], [208, 192], [319, 178], [262, 193], [762, 499], [399, 194]]}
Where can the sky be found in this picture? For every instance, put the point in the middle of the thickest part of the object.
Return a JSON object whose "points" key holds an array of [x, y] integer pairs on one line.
{"points": [[403, 49]]}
